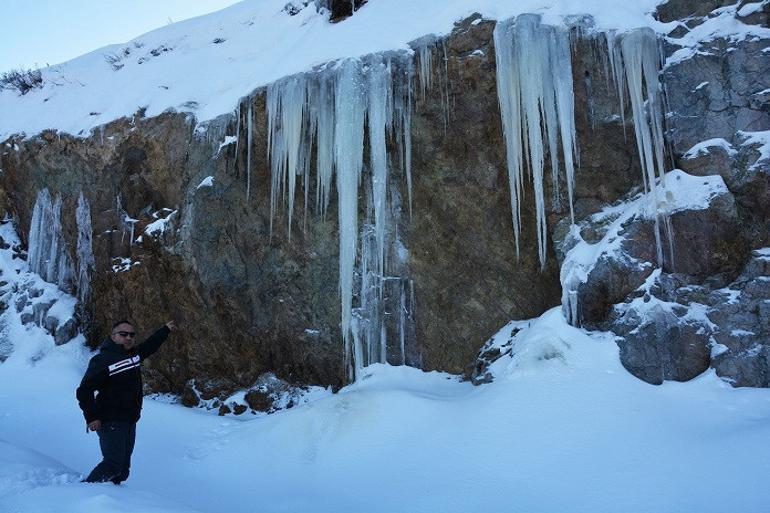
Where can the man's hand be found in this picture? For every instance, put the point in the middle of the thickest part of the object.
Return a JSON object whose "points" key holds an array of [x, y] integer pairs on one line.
{"points": [[95, 425], [171, 325]]}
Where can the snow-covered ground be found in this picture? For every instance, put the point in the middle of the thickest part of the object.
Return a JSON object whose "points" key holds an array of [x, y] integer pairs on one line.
{"points": [[562, 428]]}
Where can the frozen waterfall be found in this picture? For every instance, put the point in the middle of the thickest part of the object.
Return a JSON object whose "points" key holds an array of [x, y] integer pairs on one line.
{"points": [[48, 255], [338, 110], [534, 84], [636, 65], [85, 254]]}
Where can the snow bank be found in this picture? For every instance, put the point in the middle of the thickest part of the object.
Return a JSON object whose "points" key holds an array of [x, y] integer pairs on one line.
{"points": [[562, 428]]}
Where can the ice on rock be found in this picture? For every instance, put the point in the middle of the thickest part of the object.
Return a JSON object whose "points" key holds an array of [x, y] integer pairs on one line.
{"points": [[534, 84], [249, 135], [379, 116], [636, 65], [425, 59], [127, 223], [336, 110], [324, 110], [48, 255], [287, 121], [348, 159], [85, 254]]}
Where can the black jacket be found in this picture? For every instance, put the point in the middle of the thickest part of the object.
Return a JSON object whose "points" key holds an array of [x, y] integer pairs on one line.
{"points": [[115, 374]]}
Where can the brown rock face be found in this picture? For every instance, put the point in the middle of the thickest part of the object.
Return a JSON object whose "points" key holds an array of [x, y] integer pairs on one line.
{"points": [[468, 281], [250, 302]]}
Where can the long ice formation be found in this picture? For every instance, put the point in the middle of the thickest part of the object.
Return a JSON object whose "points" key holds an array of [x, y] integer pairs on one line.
{"points": [[534, 84], [353, 103], [85, 254], [48, 254], [634, 67], [333, 110]]}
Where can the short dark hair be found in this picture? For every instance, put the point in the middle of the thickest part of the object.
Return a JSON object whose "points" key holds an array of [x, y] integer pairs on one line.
{"points": [[121, 322]]}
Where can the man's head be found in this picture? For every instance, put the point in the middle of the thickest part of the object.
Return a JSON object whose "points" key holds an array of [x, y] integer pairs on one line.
{"points": [[123, 334]]}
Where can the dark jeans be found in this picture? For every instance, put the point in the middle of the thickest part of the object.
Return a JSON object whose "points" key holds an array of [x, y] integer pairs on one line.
{"points": [[116, 440]]}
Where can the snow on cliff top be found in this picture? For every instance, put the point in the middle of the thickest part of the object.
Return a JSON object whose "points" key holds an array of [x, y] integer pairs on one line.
{"points": [[205, 64]]}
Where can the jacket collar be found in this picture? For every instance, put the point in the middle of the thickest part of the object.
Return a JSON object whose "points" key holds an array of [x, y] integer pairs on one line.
{"points": [[109, 346]]}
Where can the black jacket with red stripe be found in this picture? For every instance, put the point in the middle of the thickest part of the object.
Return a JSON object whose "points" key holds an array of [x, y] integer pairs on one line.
{"points": [[115, 376]]}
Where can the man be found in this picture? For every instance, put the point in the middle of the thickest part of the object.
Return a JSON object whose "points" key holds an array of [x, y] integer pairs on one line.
{"points": [[115, 375]]}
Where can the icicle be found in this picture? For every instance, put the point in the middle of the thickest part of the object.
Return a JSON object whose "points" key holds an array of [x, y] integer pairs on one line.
{"points": [[616, 67], [425, 53], [561, 69], [52, 261], [325, 142], [38, 241], [287, 113], [378, 93], [348, 158], [126, 221], [48, 255], [641, 63], [445, 89], [402, 106], [534, 83], [85, 254], [237, 130], [402, 321], [249, 132], [333, 108]]}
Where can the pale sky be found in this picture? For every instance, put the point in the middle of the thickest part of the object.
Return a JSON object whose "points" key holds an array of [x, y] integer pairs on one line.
{"points": [[34, 33]]}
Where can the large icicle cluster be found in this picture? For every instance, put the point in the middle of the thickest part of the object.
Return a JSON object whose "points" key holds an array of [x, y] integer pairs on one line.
{"points": [[333, 110], [534, 84], [48, 255], [636, 65]]}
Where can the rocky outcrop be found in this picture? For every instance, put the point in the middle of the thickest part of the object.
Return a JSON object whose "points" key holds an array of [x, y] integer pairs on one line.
{"points": [[185, 240], [678, 330], [179, 246], [742, 313], [664, 331]]}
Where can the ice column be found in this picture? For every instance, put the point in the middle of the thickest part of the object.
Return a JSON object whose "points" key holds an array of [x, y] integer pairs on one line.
{"points": [[289, 152], [85, 254], [635, 64], [48, 254], [337, 109], [534, 84], [324, 102], [380, 115], [348, 159]]}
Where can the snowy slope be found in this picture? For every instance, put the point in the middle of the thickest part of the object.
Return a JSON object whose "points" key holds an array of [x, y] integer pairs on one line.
{"points": [[563, 428], [248, 45]]}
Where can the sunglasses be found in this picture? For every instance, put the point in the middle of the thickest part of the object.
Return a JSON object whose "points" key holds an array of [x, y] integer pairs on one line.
{"points": [[126, 334]]}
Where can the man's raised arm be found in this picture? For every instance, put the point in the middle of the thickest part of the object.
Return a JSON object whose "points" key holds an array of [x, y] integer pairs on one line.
{"points": [[149, 346]]}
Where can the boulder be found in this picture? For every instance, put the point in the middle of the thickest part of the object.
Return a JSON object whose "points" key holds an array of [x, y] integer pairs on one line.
{"points": [[190, 397], [66, 331], [656, 344], [259, 400]]}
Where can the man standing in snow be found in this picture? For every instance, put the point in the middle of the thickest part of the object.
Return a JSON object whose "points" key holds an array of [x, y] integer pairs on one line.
{"points": [[115, 376]]}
